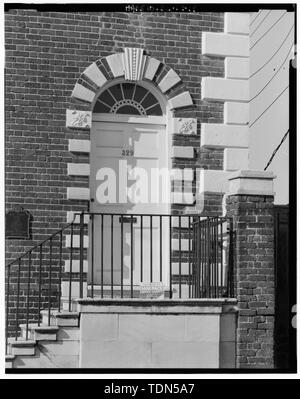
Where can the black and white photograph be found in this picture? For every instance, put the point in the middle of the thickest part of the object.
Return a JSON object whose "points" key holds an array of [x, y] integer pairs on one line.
{"points": [[149, 178]]}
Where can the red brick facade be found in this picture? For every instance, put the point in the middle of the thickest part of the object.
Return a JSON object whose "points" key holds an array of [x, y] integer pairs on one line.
{"points": [[45, 54]]}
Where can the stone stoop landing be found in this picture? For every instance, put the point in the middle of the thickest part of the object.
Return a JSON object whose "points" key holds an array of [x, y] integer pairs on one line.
{"points": [[54, 346]]}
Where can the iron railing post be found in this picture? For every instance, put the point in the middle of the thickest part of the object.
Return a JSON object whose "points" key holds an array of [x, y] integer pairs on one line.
{"points": [[81, 255], [201, 263], [221, 257], [142, 243], [102, 250], [170, 256], [122, 255], [230, 261], [60, 270], [92, 254], [28, 294], [71, 267], [198, 269], [151, 250], [131, 256], [18, 299], [50, 282], [179, 271], [194, 259], [160, 248], [112, 255], [7, 308], [40, 284], [189, 232]]}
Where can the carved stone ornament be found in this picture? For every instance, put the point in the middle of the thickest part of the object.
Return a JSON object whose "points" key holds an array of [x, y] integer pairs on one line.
{"points": [[186, 126], [79, 119]]}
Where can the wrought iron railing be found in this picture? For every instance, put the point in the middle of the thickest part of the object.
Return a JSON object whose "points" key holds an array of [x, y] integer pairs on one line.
{"points": [[212, 254], [132, 255]]}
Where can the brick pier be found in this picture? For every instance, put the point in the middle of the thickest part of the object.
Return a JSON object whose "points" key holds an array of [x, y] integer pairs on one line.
{"points": [[250, 204]]}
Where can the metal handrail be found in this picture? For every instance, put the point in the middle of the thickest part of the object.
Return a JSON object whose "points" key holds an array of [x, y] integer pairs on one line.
{"points": [[42, 242], [18, 260]]}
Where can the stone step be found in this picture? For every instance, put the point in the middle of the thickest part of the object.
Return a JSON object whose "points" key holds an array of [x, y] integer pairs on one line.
{"points": [[22, 347], [38, 361], [60, 319], [39, 332], [44, 359], [9, 361]]}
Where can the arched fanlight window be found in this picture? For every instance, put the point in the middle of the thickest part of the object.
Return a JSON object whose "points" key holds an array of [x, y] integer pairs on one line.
{"points": [[127, 98]]}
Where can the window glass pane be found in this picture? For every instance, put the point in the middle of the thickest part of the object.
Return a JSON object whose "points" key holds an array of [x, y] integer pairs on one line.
{"points": [[139, 93], [100, 108], [128, 109], [156, 110], [107, 98], [149, 100], [128, 90], [116, 91]]}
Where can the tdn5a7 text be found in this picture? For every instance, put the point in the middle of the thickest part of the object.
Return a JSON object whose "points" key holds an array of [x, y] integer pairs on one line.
{"points": [[170, 388]]}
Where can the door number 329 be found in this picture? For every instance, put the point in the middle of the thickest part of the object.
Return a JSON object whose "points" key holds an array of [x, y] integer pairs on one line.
{"points": [[127, 153]]}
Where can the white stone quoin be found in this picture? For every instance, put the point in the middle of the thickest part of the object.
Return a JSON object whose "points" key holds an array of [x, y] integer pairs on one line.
{"points": [[81, 146], [220, 89], [225, 45], [237, 68], [76, 241], [78, 193], [236, 159], [78, 169], [237, 23], [222, 136], [75, 266], [213, 181], [71, 214], [236, 113], [182, 152]]}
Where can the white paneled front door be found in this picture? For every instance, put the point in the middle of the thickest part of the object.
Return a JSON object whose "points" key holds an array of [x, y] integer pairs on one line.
{"points": [[126, 154]]}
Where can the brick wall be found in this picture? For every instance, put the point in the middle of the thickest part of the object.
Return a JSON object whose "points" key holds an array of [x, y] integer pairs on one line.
{"points": [[45, 54], [254, 275]]}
